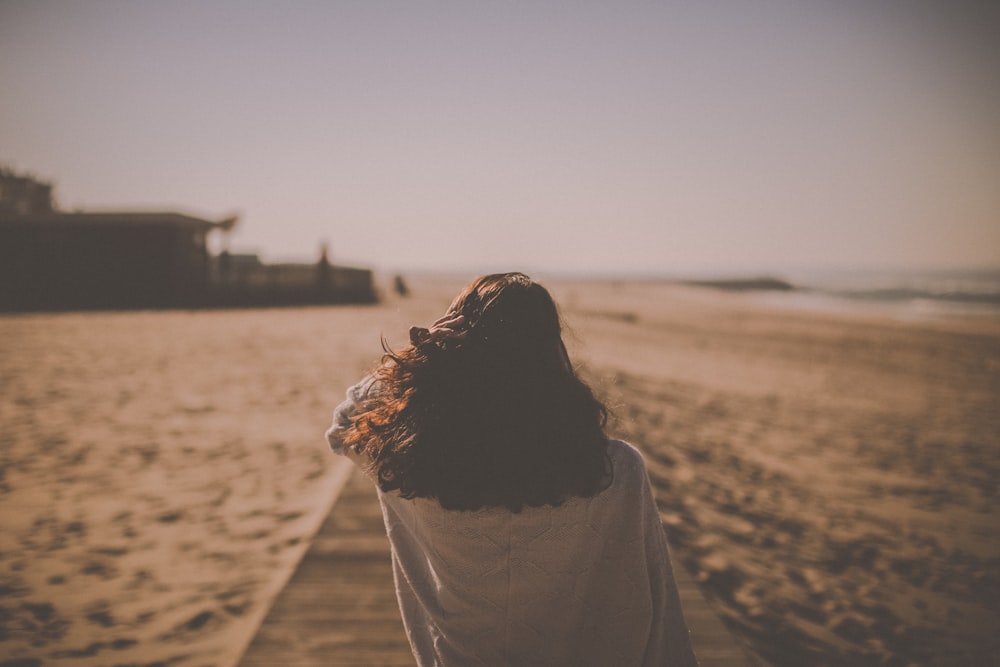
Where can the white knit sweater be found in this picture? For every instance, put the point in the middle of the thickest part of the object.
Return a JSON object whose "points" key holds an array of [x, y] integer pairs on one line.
{"points": [[585, 583]]}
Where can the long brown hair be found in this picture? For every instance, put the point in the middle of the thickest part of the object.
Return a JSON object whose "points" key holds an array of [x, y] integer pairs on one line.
{"points": [[495, 417]]}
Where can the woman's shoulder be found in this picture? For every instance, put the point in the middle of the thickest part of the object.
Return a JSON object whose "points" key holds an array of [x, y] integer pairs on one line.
{"points": [[624, 451], [368, 387], [626, 459]]}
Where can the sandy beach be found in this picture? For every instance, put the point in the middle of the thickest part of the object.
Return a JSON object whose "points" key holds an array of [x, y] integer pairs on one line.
{"points": [[829, 478]]}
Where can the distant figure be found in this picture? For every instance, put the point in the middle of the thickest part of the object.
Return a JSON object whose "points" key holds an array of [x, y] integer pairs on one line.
{"points": [[520, 534], [323, 266], [400, 286]]}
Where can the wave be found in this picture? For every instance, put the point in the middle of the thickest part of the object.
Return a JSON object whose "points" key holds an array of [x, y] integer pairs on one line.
{"points": [[951, 290], [973, 287], [904, 294]]}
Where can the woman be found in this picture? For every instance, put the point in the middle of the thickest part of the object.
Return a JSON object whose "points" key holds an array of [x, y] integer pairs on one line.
{"points": [[520, 534]]}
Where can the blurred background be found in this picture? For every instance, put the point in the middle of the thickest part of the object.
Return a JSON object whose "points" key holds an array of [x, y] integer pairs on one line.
{"points": [[773, 227]]}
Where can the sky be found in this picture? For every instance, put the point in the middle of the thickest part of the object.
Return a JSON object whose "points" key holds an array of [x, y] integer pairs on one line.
{"points": [[584, 137]]}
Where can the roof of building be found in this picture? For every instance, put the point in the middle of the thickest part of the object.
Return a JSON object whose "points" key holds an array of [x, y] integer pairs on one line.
{"points": [[111, 218]]}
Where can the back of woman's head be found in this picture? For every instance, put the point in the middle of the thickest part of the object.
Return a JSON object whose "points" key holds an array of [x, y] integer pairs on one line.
{"points": [[493, 414], [511, 328]]}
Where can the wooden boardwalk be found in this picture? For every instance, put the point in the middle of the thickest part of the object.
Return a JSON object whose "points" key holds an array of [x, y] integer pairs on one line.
{"points": [[339, 607]]}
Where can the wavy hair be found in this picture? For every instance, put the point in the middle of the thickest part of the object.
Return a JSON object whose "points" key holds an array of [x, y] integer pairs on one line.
{"points": [[495, 417]]}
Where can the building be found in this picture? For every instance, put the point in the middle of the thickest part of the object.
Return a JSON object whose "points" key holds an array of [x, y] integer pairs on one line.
{"points": [[56, 261], [76, 261], [52, 260]]}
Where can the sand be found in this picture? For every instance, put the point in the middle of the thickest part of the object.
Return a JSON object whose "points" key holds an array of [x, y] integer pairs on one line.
{"points": [[829, 478]]}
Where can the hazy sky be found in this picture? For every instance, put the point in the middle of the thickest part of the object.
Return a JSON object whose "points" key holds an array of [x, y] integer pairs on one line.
{"points": [[574, 136]]}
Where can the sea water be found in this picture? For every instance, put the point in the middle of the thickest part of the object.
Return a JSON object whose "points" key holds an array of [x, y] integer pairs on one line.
{"points": [[899, 293]]}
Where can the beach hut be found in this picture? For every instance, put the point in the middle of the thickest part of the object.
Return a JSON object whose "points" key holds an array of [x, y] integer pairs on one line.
{"points": [[54, 260]]}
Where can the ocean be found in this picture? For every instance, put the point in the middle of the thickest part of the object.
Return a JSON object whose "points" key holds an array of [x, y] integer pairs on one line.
{"points": [[901, 293]]}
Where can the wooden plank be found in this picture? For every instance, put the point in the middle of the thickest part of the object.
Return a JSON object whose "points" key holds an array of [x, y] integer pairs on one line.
{"points": [[713, 643], [339, 607]]}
